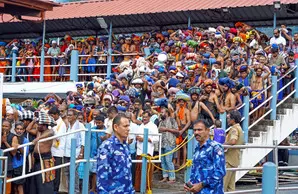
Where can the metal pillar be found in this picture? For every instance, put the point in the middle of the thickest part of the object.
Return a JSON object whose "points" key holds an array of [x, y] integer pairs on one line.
{"points": [[189, 154], [268, 178], [274, 19], [41, 79], [72, 167], [144, 162], [245, 122], [296, 75], [274, 98], [1, 171], [87, 148], [189, 22], [74, 69], [223, 119], [109, 58], [13, 68]]}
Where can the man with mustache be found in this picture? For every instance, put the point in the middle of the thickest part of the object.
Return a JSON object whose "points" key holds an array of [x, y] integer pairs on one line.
{"points": [[208, 168]]}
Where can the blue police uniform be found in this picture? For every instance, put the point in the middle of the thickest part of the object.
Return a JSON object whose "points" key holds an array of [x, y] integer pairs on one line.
{"points": [[114, 168], [209, 167]]}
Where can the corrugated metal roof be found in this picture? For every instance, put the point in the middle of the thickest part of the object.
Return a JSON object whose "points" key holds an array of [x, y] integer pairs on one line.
{"points": [[127, 7], [257, 16]]}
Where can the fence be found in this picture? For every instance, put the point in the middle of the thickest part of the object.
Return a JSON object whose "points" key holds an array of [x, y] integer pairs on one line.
{"points": [[76, 70], [73, 160]]}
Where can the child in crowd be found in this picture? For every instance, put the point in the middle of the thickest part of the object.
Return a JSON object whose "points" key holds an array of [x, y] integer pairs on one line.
{"points": [[96, 140], [218, 133], [17, 160]]}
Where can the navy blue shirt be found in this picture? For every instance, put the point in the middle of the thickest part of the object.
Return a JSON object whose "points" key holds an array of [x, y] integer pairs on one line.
{"points": [[114, 168], [209, 167]]}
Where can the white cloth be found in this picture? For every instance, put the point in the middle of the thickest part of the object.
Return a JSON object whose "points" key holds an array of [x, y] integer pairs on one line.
{"points": [[278, 41], [152, 129], [80, 137], [109, 126], [59, 129]]}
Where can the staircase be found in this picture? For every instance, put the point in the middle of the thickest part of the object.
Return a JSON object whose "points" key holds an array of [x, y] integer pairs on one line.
{"points": [[266, 131]]}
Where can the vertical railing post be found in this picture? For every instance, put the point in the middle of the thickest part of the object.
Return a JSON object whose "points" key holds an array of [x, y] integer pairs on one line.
{"points": [[72, 167], [189, 22], [1, 171], [223, 119], [13, 67], [245, 122], [274, 19], [87, 157], [275, 142], [144, 162], [109, 58], [189, 154], [274, 98], [41, 75], [74, 69], [296, 76], [269, 178]]}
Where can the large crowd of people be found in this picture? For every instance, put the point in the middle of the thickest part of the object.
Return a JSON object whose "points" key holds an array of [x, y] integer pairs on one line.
{"points": [[187, 75]]}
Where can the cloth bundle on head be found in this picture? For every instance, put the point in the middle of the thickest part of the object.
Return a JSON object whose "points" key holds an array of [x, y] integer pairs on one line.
{"points": [[137, 81], [161, 102], [182, 96], [208, 82], [9, 110], [26, 115], [194, 90], [173, 82], [131, 92], [121, 108], [45, 119], [173, 91], [243, 68], [124, 98], [226, 81], [108, 97]]}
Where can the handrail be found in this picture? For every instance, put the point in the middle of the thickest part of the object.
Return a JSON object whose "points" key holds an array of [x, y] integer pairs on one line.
{"points": [[60, 56], [43, 140], [289, 71], [286, 98], [281, 89], [264, 90], [262, 104]]}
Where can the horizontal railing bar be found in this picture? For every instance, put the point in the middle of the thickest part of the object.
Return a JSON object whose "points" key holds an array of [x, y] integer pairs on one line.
{"points": [[244, 191], [285, 98], [281, 89], [260, 93], [260, 119], [287, 73], [287, 188], [43, 140], [263, 103]]}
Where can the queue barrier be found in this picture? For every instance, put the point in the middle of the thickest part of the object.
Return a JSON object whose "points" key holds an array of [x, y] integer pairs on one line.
{"points": [[74, 65]]}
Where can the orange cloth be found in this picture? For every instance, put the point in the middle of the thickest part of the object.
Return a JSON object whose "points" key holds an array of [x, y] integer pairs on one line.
{"points": [[181, 112], [2, 64], [47, 70]]}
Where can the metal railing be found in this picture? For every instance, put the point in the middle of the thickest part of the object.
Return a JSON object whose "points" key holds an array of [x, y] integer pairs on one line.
{"points": [[73, 161], [73, 66], [266, 183]]}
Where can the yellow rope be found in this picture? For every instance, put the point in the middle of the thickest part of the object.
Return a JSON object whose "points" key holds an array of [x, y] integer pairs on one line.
{"points": [[150, 158]]}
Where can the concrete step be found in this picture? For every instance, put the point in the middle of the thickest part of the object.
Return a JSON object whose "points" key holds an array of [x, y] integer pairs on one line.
{"points": [[254, 133], [286, 105], [157, 176], [292, 100], [281, 111], [259, 127], [266, 122]]}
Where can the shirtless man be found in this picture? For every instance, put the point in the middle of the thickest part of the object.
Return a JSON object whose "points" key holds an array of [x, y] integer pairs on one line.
{"points": [[183, 121], [257, 83], [43, 183], [198, 106], [228, 99], [210, 99]]}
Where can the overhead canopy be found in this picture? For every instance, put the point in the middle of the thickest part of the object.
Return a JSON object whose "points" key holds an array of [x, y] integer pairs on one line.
{"points": [[19, 8], [128, 16]]}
